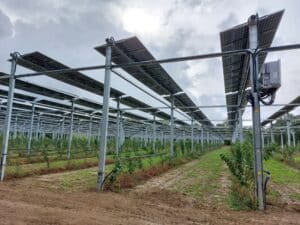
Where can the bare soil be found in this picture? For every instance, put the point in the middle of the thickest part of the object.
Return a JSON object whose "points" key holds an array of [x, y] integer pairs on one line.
{"points": [[30, 201]]}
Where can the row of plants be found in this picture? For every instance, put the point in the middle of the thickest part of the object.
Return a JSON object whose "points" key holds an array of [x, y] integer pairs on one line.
{"points": [[50, 155], [135, 168], [287, 154], [240, 163], [49, 149]]}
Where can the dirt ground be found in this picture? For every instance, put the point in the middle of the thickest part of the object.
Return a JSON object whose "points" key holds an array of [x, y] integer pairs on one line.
{"points": [[30, 201]]}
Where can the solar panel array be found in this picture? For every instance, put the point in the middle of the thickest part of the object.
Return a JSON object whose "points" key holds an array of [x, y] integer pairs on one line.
{"points": [[153, 76], [286, 109], [37, 89], [39, 62], [236, 67]]}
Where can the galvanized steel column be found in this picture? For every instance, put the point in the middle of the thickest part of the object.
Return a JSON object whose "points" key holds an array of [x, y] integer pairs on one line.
{"points": [[294, 138], [90, 131], [172, 128], [192, 134], [154, 132], [262, 139], [8, 114], [288, 129], [272, 134], [256, 126], [105, 111], [15, 127], [241, 134], [202, 138], [62, 127], [281, 140], [117, 147], [71, 130], [30, 131], [38, 127]]}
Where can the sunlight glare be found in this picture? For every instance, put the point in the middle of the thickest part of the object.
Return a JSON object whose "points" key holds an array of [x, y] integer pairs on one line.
{"points": [[136, 20]]}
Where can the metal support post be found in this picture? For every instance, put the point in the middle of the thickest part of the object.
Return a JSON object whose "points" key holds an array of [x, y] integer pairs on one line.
{"points": [[118, 127], [294, 138], [262, 139], [146, 136], [38, 126], [154, 132], [30, 131], [207, 137], [272, 134], [8, 114], [78, 128], [256, 126], [90, 131], [172, 128], [202, 139], [288, 129], [281, 140], [105, 111], [15, 127], [192, 134], [62, 128], [241, 134], [71, 130]]}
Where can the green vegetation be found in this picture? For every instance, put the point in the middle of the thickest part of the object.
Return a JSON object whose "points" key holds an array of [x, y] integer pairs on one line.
{"points": [[282, 164], [129, 172], [239, 161], [281, 173], [49, 154], [202, 178], [84, 180]]}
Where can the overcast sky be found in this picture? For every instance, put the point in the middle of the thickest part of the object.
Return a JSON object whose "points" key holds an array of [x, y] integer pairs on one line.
{"points": [[67, 30]]}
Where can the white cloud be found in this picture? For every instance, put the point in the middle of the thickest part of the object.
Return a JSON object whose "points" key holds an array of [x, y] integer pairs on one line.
{"points": [[68, 30]]}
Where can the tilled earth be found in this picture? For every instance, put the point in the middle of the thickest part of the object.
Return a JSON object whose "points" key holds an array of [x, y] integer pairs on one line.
{"points": [[30, 201]]}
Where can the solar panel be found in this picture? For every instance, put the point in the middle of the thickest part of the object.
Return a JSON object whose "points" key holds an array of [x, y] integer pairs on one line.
{"points": [[179, 122], [88, 103], [163, 115], [23, 97], [39, 62], [154, 75], [135, 103], [19, 105], [183, 100], [282, 111], [236, 67], [201, 118], [134, 116], [37, 89], [132, 102], [54, 104]]}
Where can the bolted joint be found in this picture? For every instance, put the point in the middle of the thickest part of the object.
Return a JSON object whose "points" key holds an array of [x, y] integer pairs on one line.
{"points": [[253, 20], [110, 41], [15, 55]]}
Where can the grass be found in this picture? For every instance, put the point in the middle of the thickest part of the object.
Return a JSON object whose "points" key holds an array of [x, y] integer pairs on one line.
{"points": [[84, 180], [38, 168], [286, 180], [81, 180], [294, 197], [25, 170], [203, 177], [282, 173]]}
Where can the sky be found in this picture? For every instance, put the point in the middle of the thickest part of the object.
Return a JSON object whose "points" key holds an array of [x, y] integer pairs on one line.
{"points": [[68, 30]]}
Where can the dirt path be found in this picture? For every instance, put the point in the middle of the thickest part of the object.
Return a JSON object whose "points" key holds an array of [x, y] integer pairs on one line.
{"points": [[29, 201], [165, 180]]}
